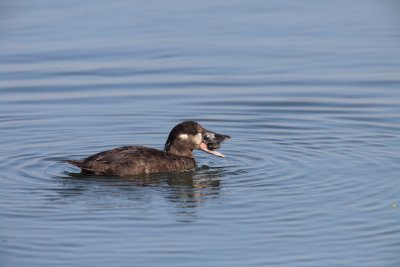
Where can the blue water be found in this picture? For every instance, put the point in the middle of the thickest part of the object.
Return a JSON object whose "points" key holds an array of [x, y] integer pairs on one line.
{"points": [[309, 91]]}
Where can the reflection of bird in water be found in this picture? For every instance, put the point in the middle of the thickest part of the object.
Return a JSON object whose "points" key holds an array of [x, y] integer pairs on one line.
{"points": [[185, 192], [136, 160]]}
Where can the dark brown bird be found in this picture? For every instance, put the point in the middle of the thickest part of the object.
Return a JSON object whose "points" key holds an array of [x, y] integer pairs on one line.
{"points": [[136, 160]]}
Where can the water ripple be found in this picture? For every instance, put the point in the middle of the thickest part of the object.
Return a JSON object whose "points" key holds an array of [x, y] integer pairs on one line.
{"points": [[310, 176]]}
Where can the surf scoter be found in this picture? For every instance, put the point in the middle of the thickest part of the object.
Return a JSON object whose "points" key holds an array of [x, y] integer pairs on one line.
{"points": [[137, 160]]}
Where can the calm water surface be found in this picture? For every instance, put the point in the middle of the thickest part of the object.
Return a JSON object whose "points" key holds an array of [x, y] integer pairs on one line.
{"points": [[309, 91]]}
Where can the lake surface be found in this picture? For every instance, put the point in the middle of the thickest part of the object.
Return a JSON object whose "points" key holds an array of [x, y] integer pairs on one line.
{"points": [[309, 91]]}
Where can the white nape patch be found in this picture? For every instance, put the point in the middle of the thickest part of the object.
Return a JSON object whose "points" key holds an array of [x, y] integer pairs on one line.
{"points": [[183, 136]]}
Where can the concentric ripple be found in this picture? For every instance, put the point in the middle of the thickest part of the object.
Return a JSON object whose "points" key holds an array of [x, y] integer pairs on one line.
{"points": [[309, 93], [289, 166]]}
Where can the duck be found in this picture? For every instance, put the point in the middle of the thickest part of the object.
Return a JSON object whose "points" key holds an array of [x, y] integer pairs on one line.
{"points": [[177, 155]]}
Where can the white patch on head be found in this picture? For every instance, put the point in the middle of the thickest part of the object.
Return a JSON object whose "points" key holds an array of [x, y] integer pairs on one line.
{"points": [[183, 136], [198, 138], [210, 135]]}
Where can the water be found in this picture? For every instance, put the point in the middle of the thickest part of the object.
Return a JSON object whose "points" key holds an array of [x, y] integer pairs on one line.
{"points": [[309, 92]]}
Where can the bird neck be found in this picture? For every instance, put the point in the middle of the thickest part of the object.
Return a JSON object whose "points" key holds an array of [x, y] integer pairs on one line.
{"points": [[182, 151]]}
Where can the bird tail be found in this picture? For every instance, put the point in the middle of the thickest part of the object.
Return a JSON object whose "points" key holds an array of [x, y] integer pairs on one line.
{"points": [[78, 163]]}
